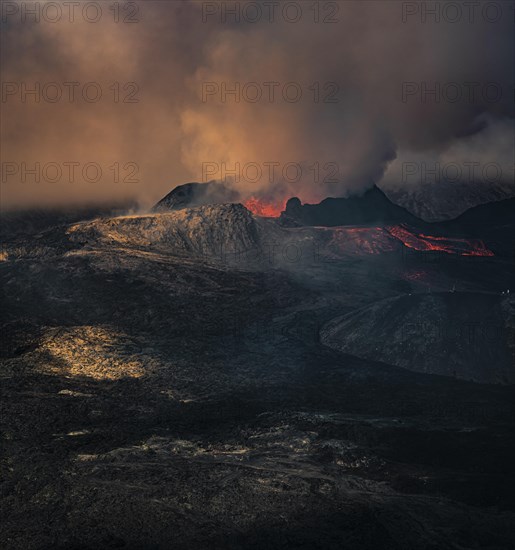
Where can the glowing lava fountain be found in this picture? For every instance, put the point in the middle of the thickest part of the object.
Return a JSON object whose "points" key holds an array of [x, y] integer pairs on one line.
{"points": [[264, 208]]}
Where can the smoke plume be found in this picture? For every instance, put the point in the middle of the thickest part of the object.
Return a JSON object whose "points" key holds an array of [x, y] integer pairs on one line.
{"points": [[316, 106]]}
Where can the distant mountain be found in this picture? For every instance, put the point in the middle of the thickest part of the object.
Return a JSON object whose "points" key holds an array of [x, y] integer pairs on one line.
{"points": [[493, 214], [493, 222], [439, 202], [371, 207], [195, 194]]}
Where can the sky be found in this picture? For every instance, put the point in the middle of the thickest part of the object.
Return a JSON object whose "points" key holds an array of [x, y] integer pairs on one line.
{"points": [[109, 101]]}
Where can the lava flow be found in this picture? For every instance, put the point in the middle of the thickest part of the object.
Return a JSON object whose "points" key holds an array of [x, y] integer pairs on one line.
{"points": [[264, 208], [424, 243]]}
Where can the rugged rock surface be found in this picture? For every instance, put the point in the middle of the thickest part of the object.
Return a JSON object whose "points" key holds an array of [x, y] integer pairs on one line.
{"points": [[207, 231], [464, 335]]}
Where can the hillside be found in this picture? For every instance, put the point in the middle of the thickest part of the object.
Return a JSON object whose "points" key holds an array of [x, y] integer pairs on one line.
{"points": [[463, 335], [194, 194]]}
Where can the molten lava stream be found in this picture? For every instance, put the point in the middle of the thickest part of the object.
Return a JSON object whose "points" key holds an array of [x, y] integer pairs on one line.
{"points": [[264, 208], [449, 245]]}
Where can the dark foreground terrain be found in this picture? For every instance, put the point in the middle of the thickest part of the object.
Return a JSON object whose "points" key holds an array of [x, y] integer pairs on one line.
{"points": [[164, 385]]}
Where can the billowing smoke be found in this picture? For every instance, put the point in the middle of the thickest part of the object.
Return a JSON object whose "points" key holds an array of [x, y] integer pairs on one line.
{"points": [[313, 100]]}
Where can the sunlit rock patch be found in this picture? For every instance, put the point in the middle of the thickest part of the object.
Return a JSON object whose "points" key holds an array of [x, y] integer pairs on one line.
{"points": [[166, 449], [100, 353], [205, 230]]}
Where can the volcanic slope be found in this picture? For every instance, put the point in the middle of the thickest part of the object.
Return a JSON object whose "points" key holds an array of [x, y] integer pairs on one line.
{"points": [[206, 231], [464, 335]]}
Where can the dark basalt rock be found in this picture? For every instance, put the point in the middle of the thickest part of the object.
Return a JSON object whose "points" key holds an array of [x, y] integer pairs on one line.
{"points": [[292, 215], [371, 207], [195, 194]]}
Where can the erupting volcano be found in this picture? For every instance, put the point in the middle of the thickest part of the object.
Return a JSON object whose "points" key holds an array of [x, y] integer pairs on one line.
{"points": [[268, 301], [300, 356], [370, 223], [265, 208]]}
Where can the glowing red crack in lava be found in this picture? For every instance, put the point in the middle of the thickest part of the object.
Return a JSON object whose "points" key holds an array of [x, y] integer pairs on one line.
{"points": [[264, 208], [421, 242], [378, 240], [370, 239]]}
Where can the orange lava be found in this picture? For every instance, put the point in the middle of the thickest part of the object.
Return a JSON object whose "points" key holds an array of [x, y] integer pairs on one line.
{"points": [[462, 247], [264, 208]]}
